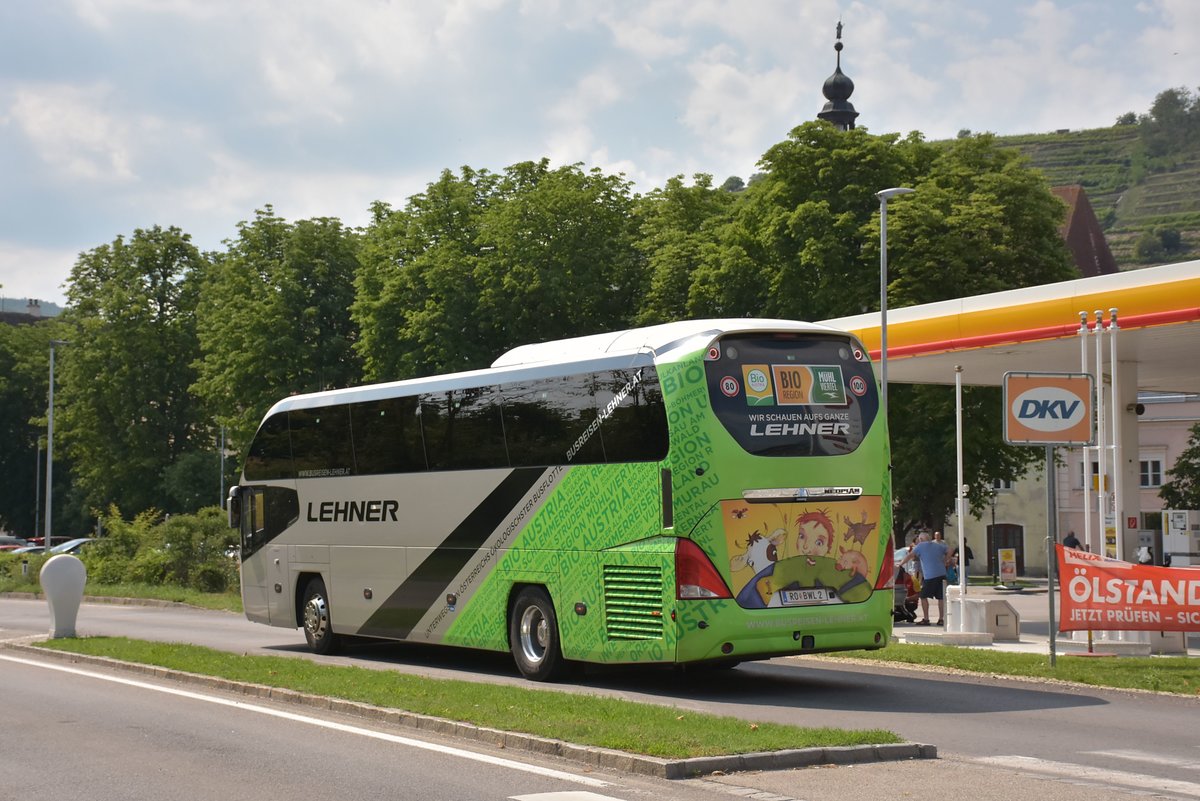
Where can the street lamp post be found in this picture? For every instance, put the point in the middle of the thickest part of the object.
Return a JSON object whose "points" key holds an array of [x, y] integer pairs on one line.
{"points": [[50, 447], [884, 196]]}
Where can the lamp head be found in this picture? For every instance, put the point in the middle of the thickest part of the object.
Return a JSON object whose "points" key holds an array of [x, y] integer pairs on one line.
{"points": [[888, 194]]}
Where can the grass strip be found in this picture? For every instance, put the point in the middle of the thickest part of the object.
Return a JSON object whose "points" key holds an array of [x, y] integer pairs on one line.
{"points": [[217, 601], [1175, 674], [648, 729]]}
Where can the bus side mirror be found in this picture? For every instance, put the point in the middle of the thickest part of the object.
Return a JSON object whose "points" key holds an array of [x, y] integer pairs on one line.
{"points": [[235, 507]]}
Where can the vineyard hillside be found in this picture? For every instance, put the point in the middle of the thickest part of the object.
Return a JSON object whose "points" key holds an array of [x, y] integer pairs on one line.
{"points": [[1153, 200]]}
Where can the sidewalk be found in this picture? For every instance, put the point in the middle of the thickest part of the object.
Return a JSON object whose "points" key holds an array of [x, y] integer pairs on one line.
{"points": [[1031, 604]]}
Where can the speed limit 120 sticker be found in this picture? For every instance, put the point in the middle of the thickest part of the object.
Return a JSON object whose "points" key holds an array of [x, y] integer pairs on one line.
{"points": [[858, 385], [730, 386]]}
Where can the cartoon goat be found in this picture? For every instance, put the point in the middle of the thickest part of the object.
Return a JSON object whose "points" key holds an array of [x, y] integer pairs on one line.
{"points": [[858, 531]]}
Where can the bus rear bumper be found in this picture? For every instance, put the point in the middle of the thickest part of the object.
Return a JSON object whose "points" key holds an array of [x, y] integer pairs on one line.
{"points": [[724, 631]]}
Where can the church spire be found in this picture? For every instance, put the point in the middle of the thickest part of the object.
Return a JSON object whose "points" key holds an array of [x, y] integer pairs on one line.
{"points": [[837, 91]]}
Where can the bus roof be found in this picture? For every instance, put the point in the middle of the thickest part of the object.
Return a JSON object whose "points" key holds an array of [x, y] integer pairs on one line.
{"points": [[610, 351], [655, 339]]}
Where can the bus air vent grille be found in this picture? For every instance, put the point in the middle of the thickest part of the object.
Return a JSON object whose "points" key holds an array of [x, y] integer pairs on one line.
{"points": [[633, 602]]}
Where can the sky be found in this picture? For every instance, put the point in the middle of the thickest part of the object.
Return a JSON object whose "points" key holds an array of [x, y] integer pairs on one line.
{"points": [[117, 115]]}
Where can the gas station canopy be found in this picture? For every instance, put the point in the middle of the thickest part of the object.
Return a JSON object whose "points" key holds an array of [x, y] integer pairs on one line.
{"points": [[1036, 329]]}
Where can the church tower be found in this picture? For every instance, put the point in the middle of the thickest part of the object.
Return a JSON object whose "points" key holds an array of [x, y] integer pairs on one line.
{"points": [[837, 91]]}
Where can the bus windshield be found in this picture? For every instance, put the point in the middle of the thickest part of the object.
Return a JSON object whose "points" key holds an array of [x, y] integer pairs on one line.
{"points": [[790, 394]]}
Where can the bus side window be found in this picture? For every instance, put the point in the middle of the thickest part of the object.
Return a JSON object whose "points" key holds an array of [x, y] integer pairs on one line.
{"points": [[545, 422], [387, 436], [636, 430], [321, 441], [270, 454], [253, 519], [266, 512], [463, 429]]}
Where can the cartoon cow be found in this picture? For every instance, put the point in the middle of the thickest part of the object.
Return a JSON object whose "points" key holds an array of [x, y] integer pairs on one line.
{"points": [[760, 551]]}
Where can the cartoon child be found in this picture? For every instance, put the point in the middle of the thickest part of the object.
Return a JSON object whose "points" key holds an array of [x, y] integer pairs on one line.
{"points": [[813, 566], [815, 535]]}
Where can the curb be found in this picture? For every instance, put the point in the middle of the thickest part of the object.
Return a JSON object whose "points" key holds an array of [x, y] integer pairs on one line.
{"points": [[604, 758]]}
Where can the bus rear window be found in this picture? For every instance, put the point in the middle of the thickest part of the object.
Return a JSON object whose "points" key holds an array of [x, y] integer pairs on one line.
{"points": [[792, 395]]}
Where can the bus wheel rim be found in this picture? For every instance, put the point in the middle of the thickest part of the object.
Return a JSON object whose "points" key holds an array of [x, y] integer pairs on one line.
{"points": [[316, 617], [534, 633]]}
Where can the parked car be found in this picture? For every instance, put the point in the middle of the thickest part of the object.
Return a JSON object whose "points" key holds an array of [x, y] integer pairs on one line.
{"points": [[28, 549], [71, 546], [8, 543], [53, 540]]}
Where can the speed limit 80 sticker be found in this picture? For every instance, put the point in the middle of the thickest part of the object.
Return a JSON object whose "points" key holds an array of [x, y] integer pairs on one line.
{"points": [[730, 387]]}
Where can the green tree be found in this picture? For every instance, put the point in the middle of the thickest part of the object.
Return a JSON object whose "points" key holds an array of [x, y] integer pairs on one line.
{"points": [[1182, 491], [480, 262], [557, 255], [127, 414], [675, 229], [980, 221], [1148, 247], [416, 293], [924, 461], [793, 243], [733, 183], [24, 374], [274, 318], [1173, 124]]}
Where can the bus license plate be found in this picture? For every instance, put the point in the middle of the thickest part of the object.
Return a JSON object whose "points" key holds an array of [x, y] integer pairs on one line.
{"points": [[814, 595]]}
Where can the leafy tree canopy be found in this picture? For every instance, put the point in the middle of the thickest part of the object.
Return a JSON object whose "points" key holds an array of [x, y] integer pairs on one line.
{"points": [[1182, 491], [126, 410], [481, 262], [274, 318]]}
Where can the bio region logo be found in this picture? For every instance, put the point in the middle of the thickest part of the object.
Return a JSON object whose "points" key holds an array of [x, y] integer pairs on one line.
{"points": [[1048, 409]]}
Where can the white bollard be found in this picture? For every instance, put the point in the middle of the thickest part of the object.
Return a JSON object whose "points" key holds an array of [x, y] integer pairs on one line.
{"points": [[63, 577]]}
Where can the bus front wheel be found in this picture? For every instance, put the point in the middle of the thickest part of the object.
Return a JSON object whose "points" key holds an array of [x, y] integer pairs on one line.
{"points": [[533, 635], [318, 629]]}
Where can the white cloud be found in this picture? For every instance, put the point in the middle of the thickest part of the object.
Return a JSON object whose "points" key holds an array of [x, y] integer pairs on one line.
{"points": [[33, 272], [1172, 49], [72, 132], [591, 94], [194, 113], [731, 107]]}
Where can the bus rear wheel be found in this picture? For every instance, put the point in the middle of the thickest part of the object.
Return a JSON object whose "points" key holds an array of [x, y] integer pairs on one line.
{"points": [[533, 636], [318, 627]]}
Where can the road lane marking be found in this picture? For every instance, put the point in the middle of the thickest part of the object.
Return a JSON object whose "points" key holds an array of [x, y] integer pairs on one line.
{"points": [[1101, 776], [1149, 758], [569, 795], [324, 724]]}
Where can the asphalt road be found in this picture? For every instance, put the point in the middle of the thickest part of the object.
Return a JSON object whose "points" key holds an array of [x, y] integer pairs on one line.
{"points": [[104, 736], [1016, 730]]}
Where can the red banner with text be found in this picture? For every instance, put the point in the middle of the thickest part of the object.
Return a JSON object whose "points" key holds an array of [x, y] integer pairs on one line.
{"points": [[1099, 593]]}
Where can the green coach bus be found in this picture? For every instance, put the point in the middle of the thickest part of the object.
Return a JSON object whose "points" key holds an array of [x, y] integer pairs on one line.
{"points": [[709, 491]]}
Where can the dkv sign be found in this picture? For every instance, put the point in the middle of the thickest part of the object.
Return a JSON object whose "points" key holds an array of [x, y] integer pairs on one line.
{"points": [[1048, 409]]}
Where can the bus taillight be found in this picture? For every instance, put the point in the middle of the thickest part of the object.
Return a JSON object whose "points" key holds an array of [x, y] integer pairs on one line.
{"points": [[887, 571], [695, 575]]}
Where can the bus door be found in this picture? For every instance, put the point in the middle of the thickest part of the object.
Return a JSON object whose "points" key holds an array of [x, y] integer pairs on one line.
{"points": [[254, 573], [280, 606]]}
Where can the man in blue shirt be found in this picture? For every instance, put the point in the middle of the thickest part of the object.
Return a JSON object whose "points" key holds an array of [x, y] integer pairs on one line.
{"points": [[932, 555]]}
